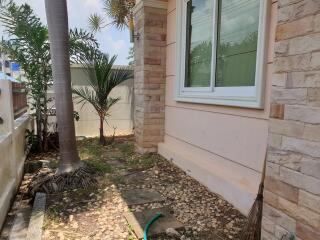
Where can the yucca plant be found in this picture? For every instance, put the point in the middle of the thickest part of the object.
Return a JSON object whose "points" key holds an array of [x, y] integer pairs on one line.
{"points": [[102, 78]]}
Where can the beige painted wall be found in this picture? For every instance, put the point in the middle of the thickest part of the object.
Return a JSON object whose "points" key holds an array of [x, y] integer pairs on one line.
{"points": [[222, 147], [121, 113], [12, 149]]}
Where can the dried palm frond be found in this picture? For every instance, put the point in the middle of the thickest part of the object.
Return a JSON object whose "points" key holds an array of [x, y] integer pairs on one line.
{"points": [[48, 182]]}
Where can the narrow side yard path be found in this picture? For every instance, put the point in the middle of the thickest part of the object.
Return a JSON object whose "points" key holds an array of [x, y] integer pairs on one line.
{"points": [[100, 213]]}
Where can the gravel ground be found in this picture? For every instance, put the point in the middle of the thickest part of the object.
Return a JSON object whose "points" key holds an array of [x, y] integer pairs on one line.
{"points": [[98, 213]]}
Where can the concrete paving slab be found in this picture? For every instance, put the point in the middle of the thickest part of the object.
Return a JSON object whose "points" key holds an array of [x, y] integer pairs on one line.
{"points": [[141, 196], [136, 177], [138, 221]]}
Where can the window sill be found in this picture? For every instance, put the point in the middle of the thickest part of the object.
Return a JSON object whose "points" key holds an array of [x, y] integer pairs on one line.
{"points": [[231, 102]]}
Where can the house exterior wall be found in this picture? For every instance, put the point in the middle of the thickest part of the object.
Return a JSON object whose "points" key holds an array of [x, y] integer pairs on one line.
{"points": [[223, 147], [292, 191]]}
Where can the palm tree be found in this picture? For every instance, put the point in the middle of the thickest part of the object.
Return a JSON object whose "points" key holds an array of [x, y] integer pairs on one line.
{"points": [[119, 11], [57, 18], [29, 43], [102, 78]]}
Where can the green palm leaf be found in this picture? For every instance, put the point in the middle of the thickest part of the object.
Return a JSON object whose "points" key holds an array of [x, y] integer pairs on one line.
{"points": [[118, 11], [102, 78], [96, 22]]}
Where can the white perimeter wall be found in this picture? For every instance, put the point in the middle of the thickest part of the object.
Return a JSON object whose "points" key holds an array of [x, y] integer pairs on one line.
{"points": [[121, 114], [12, 149]]}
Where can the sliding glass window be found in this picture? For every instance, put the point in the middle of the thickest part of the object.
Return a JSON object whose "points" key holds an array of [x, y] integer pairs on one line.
{"points": [[221, 49]]}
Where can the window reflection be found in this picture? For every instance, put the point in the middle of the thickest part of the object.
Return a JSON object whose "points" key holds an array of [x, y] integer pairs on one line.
{"points": [[238, 23], [199, 43], [237, 37]]}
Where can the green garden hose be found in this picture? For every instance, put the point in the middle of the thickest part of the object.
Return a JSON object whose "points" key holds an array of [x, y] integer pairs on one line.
{"points": [[146, 230]]}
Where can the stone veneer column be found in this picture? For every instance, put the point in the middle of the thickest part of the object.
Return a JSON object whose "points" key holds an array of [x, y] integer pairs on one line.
{"points": [[149, 74], [292, 192]]}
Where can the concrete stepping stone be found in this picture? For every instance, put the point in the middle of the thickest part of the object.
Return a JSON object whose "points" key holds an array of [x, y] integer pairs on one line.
{"points": [[138, 221], [141, 196], [136, 177]]}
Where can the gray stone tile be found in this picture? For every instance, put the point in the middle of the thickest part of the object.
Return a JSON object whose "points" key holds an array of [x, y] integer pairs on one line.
{"points": [[141, 196]]}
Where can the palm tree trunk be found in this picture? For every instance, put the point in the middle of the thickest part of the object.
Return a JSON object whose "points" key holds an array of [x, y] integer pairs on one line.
{"points": [[102, 138], [57, 17], [39, 127], [45, 121]]}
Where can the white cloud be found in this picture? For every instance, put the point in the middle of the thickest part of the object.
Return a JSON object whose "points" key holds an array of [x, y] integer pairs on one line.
{"points": [[118, 45], [113, 46]]}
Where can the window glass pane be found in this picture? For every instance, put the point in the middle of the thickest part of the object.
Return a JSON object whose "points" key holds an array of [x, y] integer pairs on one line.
{"points": [[199, 43], [238, 23]]}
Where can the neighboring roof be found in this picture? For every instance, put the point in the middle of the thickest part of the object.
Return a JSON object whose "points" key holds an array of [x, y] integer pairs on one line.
{"points": [[4, 76]]}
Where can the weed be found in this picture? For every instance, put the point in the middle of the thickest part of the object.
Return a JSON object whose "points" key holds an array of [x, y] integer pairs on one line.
{"points": [[117, 179], [127, 148], [144, 161], [93, 155], [99, 166]]}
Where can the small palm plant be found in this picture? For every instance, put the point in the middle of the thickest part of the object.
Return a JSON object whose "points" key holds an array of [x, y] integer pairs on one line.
{"points": [[102, 78]]}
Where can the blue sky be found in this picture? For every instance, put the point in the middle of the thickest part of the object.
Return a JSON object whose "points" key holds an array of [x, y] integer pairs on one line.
{"points": [[111, 40]]}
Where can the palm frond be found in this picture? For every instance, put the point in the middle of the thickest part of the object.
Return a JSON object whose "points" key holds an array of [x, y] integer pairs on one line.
{"points": [[86, 95], [118, 11], [81, 44], [102, 78], [119, 75], [110, 102], [96, 22]]}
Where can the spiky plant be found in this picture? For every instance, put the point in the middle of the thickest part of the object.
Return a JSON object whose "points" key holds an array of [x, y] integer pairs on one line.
{"points": [[102, 78], [119, 11]]}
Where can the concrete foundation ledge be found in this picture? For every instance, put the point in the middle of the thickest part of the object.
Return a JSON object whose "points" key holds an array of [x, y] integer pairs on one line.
{"points": [[234, 183], [21, 121], [37, 218]]}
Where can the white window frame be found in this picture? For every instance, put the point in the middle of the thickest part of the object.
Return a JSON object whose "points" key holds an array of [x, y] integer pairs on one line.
{"points": [[250, 97]]}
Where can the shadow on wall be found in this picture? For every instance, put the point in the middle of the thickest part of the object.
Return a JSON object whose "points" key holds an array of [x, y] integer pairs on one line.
{"points": [[121, 114]]}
